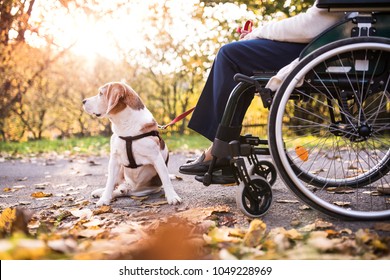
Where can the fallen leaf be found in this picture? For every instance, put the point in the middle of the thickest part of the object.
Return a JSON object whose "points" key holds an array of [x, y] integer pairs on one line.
{"points": [[90, 233], [321, 243], [255, 233], [29, 249], [8, 216], [175, 177], [197, 215], [321, 224], [342, 203], [41, 194], [340, 190], [287, 201], [61, 185], [93, 163], [42, 185], [382, 226], [102, 209], [302, 153], [295, 222], [82, 214], [15, 219], [24, 202], [222, 234], [18, 187], [22, 179], [346, 231], [155, 204], [34, 224], [293, 234], [318, 171], [384, 189], [66, 246]]}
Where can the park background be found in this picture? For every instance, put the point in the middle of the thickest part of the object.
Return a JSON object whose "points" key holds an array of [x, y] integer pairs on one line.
{"points": [[53, 54]]}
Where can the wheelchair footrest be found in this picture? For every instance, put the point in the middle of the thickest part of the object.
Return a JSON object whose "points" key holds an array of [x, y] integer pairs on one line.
{"points": [[218, 179]]}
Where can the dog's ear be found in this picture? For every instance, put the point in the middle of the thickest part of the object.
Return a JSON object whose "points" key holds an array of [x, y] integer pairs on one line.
{"points": [[114, 93], [131, 98]]}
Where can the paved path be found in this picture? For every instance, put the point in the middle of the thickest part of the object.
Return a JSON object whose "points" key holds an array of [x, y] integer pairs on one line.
{"points": [[72, 180]]}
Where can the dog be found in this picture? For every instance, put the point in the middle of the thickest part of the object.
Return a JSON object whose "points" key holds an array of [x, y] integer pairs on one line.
{"points": [[138, 156]]}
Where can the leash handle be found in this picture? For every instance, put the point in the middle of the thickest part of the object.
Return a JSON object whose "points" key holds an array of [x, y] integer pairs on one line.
{"points": [[178, 118], [247, 27]]}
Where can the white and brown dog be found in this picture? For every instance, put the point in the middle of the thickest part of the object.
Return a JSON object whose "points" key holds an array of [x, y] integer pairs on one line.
{"points": [[138, 156]]}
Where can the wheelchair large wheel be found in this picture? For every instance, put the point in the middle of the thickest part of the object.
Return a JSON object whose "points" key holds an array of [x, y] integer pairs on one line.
{"points": [[329, 129]]}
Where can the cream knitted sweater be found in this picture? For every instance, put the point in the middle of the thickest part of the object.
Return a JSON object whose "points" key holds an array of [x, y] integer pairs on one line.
{"points": [[301, 28]]}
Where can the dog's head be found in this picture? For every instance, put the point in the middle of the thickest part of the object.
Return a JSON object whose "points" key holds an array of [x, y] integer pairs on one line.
{"points": [[111, 99]]}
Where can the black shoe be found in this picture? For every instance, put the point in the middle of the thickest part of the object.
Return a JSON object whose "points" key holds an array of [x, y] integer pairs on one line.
{"points": [[200, 167]]}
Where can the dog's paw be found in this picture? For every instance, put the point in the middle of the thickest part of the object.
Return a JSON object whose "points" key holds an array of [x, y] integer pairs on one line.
{"points": [[173, 199], [102, 201], [97, 193]]}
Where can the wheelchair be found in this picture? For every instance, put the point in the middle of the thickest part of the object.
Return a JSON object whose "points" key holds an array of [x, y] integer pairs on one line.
{"points": [[328, 124]]}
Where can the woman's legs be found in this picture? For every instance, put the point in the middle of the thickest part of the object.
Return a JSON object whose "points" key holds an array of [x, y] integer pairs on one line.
{"points": [[243, 57]]}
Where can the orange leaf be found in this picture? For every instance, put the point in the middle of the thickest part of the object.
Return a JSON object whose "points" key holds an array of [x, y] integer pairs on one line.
{"points": [[41, 194], [302, 153]]}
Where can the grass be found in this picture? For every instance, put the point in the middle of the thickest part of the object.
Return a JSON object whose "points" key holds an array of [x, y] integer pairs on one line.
{"points": [[92, 145]]}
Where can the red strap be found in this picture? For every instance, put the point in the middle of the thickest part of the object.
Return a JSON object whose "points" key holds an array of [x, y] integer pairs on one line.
{"points": [[178, 118]]}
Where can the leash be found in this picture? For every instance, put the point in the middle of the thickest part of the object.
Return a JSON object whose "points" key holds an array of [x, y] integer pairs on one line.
{"points": [[178, 118]]}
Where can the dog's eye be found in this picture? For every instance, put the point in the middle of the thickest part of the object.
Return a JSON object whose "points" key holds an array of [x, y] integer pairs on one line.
{"points": [[100, 93]]}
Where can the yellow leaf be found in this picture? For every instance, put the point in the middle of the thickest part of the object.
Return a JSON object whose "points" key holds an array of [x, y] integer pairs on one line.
{"points": [[28, 249], [218, 235], [293, 234], [41, 194], [8, 216], [102, 209], [255, 233]]}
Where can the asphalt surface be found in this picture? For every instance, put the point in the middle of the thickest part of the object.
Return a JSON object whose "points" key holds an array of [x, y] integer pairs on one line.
{"points": [[71, 180]]}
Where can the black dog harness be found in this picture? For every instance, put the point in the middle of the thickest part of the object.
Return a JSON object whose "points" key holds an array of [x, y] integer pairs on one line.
{"points": [[129, 147]]}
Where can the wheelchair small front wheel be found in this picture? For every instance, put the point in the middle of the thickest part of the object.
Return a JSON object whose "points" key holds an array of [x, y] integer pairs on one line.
{"points": [[255, 199], [266, 170]]}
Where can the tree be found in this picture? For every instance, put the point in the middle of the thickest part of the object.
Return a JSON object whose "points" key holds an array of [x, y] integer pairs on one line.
{"points": [[14, 16]]}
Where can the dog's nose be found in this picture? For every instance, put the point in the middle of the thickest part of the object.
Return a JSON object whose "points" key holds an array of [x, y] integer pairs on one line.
{"points": [[84, 101]]}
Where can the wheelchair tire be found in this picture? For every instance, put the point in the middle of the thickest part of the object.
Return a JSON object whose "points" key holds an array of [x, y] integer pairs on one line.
{"points": [[328, 129], [254, 200]]}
